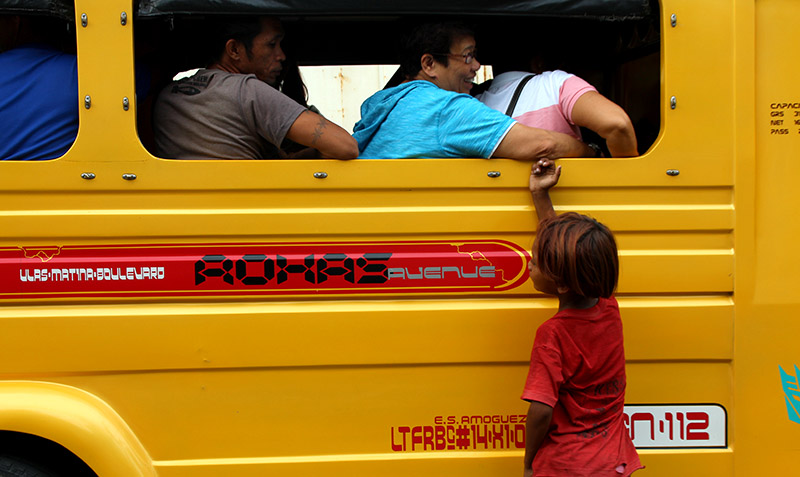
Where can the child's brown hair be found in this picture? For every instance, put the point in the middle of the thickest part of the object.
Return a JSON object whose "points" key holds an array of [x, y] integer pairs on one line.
{"points": [[578, 252]]}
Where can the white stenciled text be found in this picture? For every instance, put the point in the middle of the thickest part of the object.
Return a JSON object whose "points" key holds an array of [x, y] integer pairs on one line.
{"points": [[91, 274]]}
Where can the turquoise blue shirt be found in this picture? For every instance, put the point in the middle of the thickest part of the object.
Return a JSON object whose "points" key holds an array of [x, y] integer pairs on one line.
{"points": [[419, 119]]}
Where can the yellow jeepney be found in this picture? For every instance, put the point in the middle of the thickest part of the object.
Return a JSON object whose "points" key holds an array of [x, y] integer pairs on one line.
{"points": [[374, 317]]}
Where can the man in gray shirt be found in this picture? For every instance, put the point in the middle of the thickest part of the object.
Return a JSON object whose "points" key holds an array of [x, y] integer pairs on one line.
{"points": [[231, 110]]}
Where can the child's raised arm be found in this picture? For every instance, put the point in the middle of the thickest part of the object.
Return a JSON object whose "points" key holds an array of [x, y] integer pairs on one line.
{"points": [[544, 175]]}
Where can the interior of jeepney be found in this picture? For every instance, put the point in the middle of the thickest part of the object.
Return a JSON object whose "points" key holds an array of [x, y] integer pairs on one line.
{"points": [[615, 46]]}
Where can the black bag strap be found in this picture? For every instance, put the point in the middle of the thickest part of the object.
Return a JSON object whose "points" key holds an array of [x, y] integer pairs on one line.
{"points": [[517, 92]]}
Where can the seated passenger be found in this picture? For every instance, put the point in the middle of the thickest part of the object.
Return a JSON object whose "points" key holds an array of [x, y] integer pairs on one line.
{"points": [[559, 101], [290, 82], [430, 114], [38, 90], [231, 110]]}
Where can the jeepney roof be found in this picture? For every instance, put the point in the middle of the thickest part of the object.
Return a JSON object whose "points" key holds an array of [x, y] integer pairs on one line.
{"points": [[590, 9], [602, 10], [63, 9]]}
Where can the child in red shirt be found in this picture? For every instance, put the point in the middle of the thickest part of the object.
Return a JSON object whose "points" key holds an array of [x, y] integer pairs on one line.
{"points": [[576, 381]]}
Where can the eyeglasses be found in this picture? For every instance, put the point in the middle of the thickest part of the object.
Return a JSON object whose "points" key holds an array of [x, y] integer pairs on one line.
{"points": [[467, 57]]}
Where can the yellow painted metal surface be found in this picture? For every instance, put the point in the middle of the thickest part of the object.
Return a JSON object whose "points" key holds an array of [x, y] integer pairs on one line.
{"points": [[201, 386], [82, 423], [767, 282]]}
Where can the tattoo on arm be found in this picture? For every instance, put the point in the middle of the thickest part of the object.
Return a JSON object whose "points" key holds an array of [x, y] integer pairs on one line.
{"points": [[321, 125]]}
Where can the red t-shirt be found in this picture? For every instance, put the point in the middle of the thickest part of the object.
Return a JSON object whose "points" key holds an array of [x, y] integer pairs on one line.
{"points": [[578, 368]]}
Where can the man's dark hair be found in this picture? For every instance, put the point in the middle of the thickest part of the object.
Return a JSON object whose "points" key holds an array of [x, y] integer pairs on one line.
{"points": [[240, 28], [431, 38]]}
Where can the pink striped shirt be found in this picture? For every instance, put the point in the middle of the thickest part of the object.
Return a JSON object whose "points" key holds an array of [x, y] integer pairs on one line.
{"points": [[546, 101]]}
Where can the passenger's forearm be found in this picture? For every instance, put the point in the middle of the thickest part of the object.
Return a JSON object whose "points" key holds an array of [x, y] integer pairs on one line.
{"points": [[595, 112], [622, 143], [529, 144], [568, 146], [312, 130], [334, 142], [339, 149]]}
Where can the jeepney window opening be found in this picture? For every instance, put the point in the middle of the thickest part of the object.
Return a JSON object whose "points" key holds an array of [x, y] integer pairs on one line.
{"points": [[41, 102], [621, 59]]}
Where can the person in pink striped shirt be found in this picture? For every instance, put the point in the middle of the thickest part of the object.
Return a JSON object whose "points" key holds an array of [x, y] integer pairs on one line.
{"points": [[562, 102]]}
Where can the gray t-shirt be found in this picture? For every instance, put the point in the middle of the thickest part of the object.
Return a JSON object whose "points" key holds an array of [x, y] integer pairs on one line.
{"points": [[219, 115]]}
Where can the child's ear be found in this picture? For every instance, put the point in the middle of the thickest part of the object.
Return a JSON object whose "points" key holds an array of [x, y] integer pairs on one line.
{"points": [[562, 290]]}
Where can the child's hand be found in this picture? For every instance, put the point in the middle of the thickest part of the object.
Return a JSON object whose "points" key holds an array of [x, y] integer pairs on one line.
{"points": [[527, 473], [544, 175]]}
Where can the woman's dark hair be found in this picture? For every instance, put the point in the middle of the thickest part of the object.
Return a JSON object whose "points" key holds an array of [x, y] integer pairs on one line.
{"points": [[431, 38], [578, 252], [290, 81]]}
